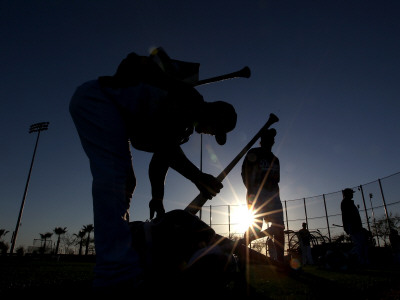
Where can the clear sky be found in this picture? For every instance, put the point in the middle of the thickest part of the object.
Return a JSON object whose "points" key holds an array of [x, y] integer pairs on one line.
{"points": [[328, 69]]}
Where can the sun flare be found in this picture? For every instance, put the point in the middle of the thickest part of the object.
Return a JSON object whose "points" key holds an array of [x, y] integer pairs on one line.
{"points": [[244, 218]]}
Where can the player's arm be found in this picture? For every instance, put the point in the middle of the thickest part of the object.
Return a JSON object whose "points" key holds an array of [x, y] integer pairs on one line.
{"points": [[158, 170], [207, 184]]}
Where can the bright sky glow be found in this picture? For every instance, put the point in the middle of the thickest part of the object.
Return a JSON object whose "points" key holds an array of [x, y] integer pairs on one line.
{"points": [[328, 69]]}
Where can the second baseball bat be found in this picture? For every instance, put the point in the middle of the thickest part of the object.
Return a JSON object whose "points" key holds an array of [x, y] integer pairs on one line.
{"points": [[244, 73], [199, 201]]}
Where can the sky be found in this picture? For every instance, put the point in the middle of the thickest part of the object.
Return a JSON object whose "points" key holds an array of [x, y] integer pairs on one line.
{"points": [[328, 69]]}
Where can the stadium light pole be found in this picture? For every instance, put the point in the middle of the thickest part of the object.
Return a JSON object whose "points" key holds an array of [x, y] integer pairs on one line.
{"points": [[38, 127]]}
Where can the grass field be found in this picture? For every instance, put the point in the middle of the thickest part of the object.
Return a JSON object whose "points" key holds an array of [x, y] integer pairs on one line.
{"points": [[315, 283], [27, 276], [51, 278]]}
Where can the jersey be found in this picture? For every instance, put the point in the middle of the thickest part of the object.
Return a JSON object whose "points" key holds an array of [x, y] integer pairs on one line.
{"points": [[261, 170]]}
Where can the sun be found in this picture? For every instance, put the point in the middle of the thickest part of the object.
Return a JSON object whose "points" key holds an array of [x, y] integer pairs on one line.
{"points": [[243, 219]]}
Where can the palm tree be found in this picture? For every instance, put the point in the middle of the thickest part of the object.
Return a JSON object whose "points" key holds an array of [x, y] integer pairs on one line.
{"points": [[59, 231], [88, 229], [81, 234], [45, 236], [3, 233], [3, 245]]}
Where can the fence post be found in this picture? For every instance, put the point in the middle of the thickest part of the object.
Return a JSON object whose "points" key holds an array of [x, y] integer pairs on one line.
{"points": [[384, 204], [327, 220], [365, 207], [287, 224], [287, 220], [229, 220]]}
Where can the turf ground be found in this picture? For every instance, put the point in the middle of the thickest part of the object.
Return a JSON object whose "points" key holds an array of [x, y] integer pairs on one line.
{"points": [[52, 278]]}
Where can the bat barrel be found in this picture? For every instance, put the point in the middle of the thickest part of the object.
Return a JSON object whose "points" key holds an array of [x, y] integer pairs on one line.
{"points": [[244, 73]]}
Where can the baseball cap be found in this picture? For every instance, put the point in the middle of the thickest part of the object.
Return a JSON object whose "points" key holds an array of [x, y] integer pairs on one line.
{"points": [[223, 117]]}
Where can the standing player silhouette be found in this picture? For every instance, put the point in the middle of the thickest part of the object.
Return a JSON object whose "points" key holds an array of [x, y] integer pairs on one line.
{"points": [[261, 176]]}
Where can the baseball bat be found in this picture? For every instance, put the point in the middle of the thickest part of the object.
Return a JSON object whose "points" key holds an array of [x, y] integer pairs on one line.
{"points": [[199, 201], [244, 73]]}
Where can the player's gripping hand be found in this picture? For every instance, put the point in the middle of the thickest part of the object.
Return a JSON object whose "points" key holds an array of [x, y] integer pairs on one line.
{"points": [[208, 185], [156, 206]]}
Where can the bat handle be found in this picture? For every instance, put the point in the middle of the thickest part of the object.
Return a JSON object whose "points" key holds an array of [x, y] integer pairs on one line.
{"points": [[196, 204]]}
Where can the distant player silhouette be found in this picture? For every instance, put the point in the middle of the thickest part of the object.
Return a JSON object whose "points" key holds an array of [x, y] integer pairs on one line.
{"points": [[151, 105], [305, 245], [352, 225]]}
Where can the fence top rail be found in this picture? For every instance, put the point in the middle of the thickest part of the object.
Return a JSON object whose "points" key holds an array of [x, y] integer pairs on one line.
{"points": [[315, 196], [355, 187], [389, 175]]}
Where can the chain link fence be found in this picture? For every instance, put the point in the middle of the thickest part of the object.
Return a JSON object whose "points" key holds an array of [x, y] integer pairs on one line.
{"points": [[376, 200]]}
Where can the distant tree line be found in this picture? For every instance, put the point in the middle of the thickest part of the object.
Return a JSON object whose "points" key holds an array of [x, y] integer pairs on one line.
{"points": [[83, 239]]}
